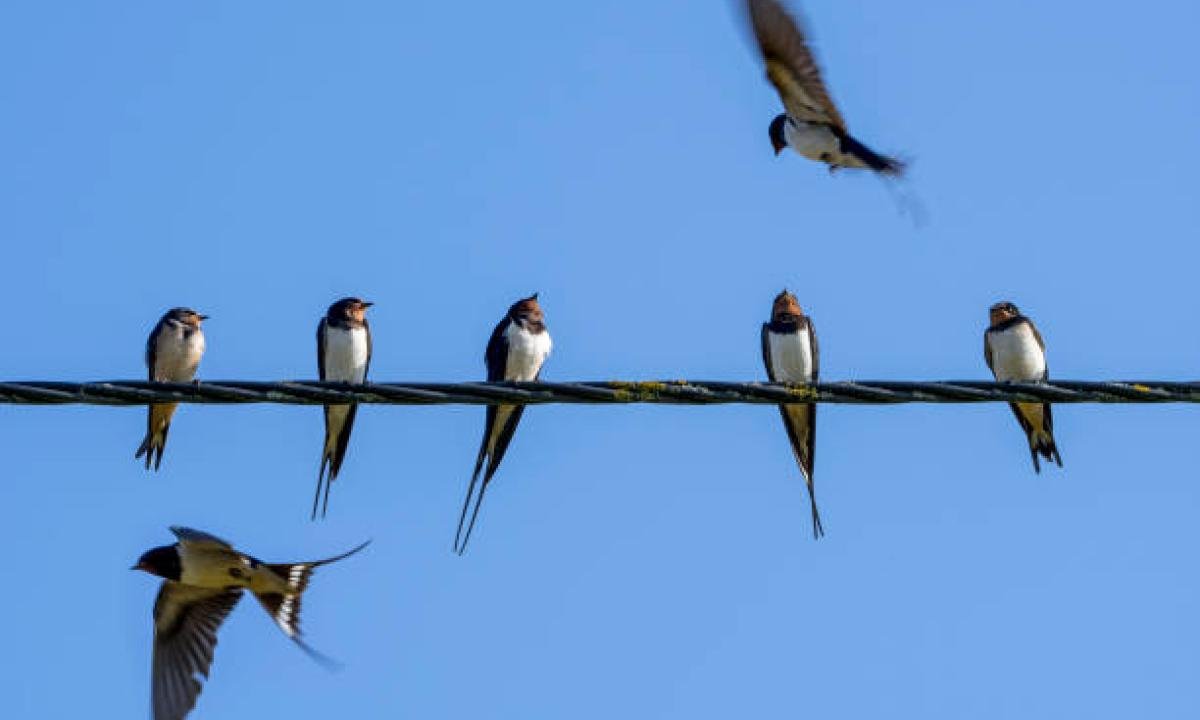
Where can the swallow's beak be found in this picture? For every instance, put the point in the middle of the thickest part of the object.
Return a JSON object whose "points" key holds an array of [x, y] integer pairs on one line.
{"points": [[138, 566], [202, 317], [367, 304]]}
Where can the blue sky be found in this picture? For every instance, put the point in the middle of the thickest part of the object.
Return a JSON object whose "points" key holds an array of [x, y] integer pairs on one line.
{"points": [[257, 161]]}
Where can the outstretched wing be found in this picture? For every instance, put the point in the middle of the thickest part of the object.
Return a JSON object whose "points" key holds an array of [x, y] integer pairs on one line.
{"points": [[199, 537], [791, 67], [186, 620]]}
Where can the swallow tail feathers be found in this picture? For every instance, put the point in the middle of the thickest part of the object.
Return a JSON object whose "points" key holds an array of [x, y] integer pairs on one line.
{"points": [[284, 607], [339, 419], [158, 423], [460, 537], [1041, 437], [818, 528], [491, 451], [882, 164]]}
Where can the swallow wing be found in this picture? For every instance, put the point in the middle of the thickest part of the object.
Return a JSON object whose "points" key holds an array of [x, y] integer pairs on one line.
{"points": [[1047, 412], [186, 620], [812, 407], [800, 421], [199, 537], [816, 350], [495, 358], [152, 350], [496, 355], [321, 349], [987, 351], [766, 352], [791, 67], [370, 350]]}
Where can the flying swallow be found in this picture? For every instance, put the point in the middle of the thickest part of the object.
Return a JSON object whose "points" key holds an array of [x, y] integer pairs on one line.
{"points": [[173, 353], [790, 352], [811, 124], [1014, 351], [203, 578], [343, 355], [518, 347]]}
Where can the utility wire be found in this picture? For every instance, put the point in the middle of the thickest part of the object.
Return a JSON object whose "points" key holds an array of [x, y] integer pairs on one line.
{"points": [[682, 392]]}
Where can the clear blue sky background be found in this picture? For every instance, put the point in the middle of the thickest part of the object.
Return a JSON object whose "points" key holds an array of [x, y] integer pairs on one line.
{"points": [[259, 160]]}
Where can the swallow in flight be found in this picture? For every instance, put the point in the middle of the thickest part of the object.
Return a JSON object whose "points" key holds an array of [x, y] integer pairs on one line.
{"points": [[203, 579]]}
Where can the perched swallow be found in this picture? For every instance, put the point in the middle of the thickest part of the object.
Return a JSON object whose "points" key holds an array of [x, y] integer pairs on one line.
{"points": [[811, 124], [173, 353], [518, 347], [1014, 351], [343, 355], [203, 578], [790, 352]]}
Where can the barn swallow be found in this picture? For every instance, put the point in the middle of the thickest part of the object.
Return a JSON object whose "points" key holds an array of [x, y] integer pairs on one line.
{"points": [[343, 355], [519, 345], [173, 353], [811, 124], [1014, 351], [790, 352], [203, 578]]}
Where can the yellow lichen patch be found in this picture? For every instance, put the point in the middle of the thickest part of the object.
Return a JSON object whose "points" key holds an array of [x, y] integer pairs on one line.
{"points": [[1141, 388], [635, 391], [802, 392]]}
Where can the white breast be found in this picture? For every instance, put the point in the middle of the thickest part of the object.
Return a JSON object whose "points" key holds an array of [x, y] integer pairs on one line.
{"points": [[526, 352], [791, 356], [815, 142], [1016, 354], [346, 354], [176, 357]]}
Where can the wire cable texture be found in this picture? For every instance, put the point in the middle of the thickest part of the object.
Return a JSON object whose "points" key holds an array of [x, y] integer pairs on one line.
{"points": [[681, 392]]}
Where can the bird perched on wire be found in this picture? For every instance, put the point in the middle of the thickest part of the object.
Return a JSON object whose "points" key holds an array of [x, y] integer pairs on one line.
{"points": [[790, 352], [810, 124], [1015, 351], [203, 579], [343, 355], [516, 350], [173, 353]]}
